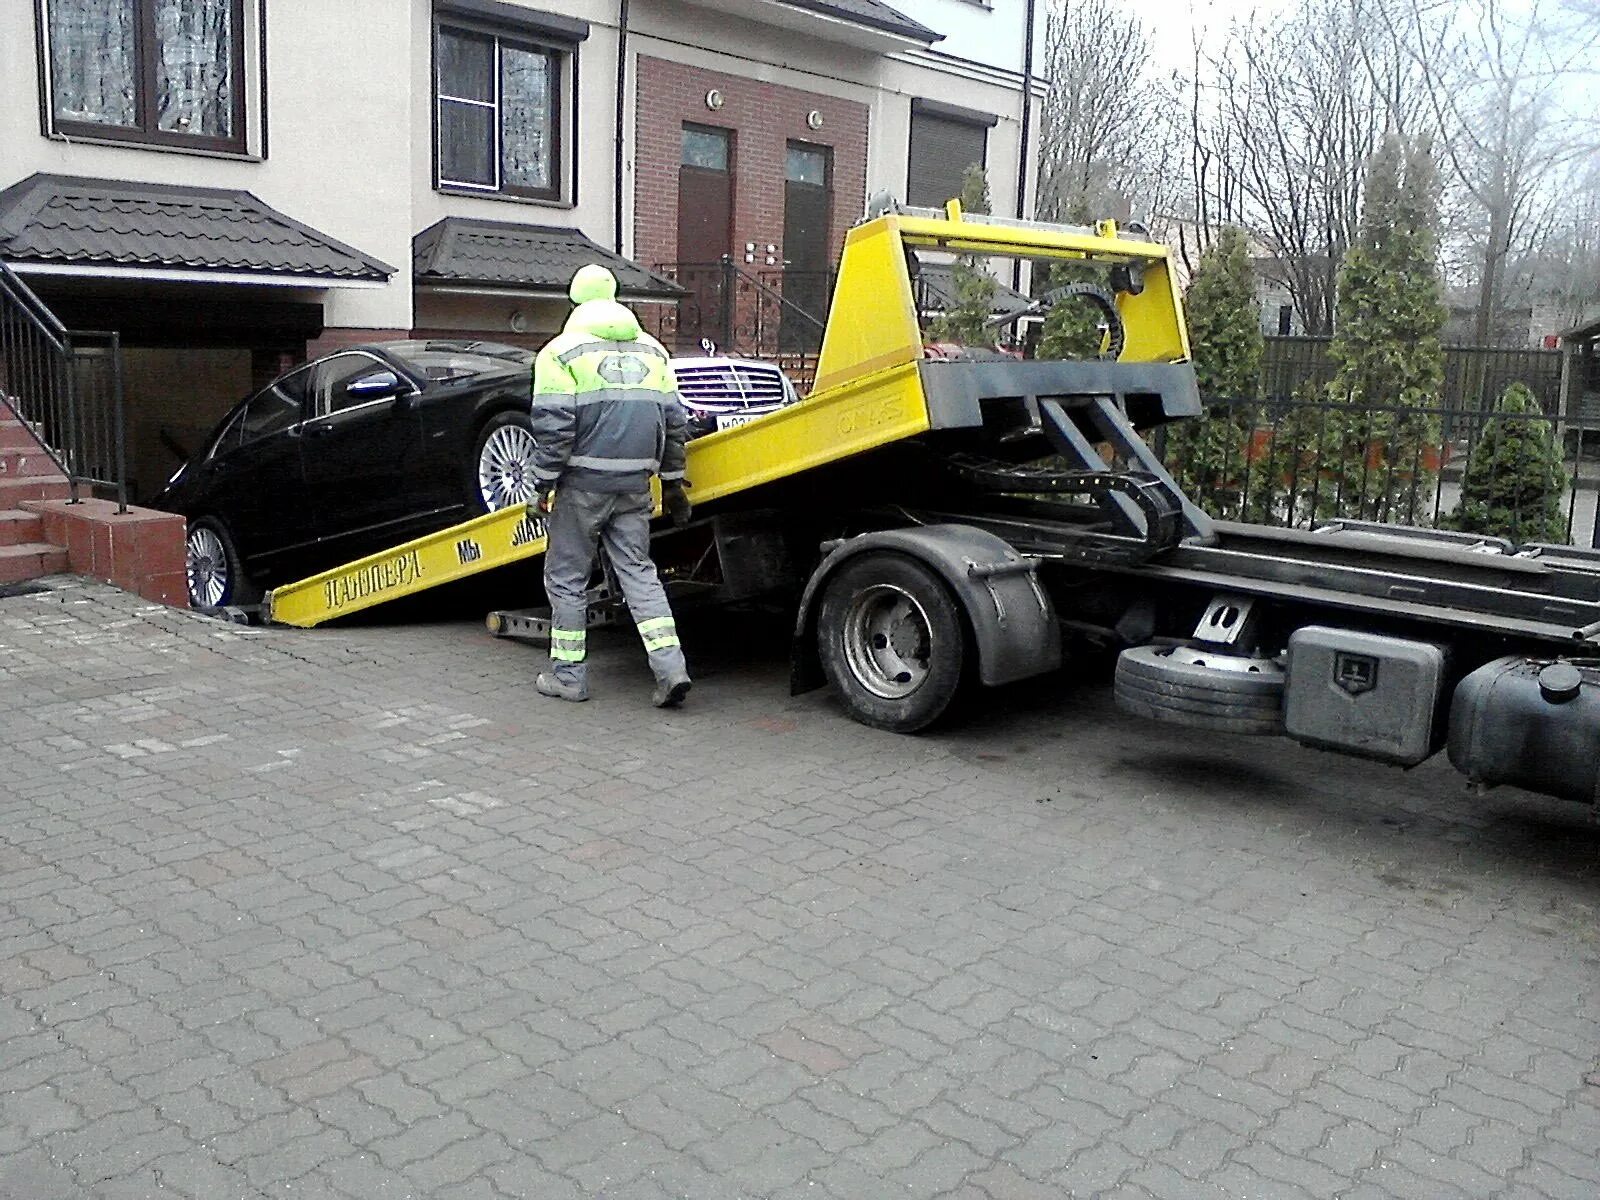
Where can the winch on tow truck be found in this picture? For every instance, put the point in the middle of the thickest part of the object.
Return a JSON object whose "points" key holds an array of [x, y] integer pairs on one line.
{"points": [[948, 520]]}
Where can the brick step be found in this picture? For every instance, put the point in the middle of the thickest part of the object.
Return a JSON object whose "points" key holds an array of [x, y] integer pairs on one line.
{"points": [[30, 560], [14, 435], [32, 487], [26, 463], [17, 527]]}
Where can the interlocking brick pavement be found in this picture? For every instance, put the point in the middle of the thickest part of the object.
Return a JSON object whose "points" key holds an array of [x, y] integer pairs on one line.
{"points": [[353, 913]]}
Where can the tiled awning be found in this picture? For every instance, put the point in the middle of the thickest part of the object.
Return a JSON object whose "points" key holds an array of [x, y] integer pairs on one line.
{"points": [[66, 225], [537, 259], [872, 13]]}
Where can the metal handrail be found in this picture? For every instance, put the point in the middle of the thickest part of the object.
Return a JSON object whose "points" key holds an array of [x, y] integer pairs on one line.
{"points": [[66, 386], [36, 309], [730, 293], [784, 303]]}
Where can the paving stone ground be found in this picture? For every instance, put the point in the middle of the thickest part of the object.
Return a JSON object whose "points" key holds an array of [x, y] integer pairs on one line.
{"points": [[353, 913]]}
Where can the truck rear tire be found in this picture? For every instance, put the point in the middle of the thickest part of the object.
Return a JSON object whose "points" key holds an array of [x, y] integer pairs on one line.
{"points": [[1201, 689], [892, 642]]}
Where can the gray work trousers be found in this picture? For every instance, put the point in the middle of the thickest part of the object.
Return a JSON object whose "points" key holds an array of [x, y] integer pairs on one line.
{"points": [[620, 521]]}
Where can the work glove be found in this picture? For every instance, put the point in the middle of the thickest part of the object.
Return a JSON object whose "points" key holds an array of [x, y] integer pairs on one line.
{"points": [[543, 501], [676, 502]]}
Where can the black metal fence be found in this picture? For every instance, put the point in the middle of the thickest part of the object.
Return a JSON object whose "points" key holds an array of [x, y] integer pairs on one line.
{"points": [[67, 386], [1474, 376], [1523, 477]]}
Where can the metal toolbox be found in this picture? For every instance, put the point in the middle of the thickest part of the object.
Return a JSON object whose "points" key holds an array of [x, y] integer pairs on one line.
{"points": [[1364, 693]]}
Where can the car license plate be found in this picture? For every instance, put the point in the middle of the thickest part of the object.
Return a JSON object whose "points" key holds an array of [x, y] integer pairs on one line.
{"points": [[731, 420]]}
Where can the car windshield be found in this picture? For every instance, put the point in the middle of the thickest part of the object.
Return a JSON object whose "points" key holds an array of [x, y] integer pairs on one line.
{"points": [[446, 362]]}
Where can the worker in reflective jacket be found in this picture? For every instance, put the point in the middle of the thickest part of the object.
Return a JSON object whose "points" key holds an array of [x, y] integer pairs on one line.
{"points": [[606, 416]]}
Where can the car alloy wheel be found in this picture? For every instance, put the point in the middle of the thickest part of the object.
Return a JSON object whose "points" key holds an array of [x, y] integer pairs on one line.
{"points": [[206, 560], [505, 468]]}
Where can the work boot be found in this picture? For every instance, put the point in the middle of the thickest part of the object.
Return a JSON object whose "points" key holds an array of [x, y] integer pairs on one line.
{"points": [[549, 685], [670, 691]]}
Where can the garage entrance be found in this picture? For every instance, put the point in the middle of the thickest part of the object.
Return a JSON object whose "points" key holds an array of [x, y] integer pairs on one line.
{"points": [[189, 353]]}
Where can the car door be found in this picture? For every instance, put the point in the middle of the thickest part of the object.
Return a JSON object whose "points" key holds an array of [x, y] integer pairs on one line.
{"points": [[359, 454], [254, 476]]}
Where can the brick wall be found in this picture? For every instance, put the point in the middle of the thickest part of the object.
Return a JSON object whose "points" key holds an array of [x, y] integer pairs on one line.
{"points": [[339, 338], [764, 118]]}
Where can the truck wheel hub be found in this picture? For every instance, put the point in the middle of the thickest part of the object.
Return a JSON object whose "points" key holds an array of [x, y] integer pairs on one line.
{"points": [[888, 641]]}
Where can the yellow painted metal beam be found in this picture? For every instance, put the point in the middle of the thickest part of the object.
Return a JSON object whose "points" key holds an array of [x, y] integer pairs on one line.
{"points": [[828, 426], [873, 321]]}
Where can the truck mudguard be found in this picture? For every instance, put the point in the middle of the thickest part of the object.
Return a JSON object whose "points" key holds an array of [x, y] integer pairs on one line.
{"points": [[1012, 620]]}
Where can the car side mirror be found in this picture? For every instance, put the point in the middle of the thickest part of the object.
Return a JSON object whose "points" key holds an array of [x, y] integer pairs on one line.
{"points": [[379, 385]]}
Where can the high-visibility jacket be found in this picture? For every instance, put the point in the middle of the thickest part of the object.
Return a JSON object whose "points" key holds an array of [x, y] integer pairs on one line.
{"points": [[606, 412]]}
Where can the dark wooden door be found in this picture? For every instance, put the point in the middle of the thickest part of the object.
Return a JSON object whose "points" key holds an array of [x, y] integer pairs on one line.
{"points": [[705, 233], [807, 209]]}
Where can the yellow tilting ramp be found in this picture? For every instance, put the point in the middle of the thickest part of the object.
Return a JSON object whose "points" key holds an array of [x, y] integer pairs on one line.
{"points": [[492, 540], [844, 421], [869, 394]]}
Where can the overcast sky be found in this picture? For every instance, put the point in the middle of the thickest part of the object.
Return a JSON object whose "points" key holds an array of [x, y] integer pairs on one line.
{"points": [[1172, 30]]}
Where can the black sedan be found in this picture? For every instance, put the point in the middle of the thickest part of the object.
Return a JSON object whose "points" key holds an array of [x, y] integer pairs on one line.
{"points": [[373, 446]]}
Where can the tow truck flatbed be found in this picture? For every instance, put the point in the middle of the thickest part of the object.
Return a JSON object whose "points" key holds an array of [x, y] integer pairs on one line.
{"points": [[873, 388], [973, 511]]}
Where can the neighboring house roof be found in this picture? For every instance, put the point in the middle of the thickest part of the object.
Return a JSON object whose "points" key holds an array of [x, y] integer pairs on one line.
{"points": [[871, 13], [536, 258], [936, 291], [1581, 332], [67, 221]]}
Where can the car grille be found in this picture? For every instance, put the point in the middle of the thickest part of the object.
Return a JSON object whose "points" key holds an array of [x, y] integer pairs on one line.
{"points": [[730, 387]]}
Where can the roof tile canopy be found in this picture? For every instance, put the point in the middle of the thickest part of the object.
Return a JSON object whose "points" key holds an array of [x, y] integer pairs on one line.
{"points": [[871, 13], [539, 258], [62, 220]]}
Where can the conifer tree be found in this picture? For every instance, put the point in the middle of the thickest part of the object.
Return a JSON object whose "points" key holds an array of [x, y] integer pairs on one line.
{"points": [[968, 322], [1514, 480], [1375, 461], [1210, 455]]}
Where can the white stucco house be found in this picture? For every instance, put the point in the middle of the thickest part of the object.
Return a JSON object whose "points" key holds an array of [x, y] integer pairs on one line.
{"points": [[235, 185]]}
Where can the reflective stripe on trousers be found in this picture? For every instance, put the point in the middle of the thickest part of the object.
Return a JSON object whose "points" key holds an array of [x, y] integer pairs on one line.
{"points": [[568, 645], [659, 633]]}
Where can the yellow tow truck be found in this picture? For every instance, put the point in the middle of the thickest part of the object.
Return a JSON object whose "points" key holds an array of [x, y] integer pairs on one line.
{"points": [[948, 518]]}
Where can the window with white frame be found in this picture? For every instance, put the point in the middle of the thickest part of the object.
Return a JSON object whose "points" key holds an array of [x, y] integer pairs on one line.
{"points": [[499, 125], [160, 72]]}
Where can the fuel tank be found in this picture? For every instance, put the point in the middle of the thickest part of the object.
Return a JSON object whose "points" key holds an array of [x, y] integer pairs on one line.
{"points": [[1533, 723]]}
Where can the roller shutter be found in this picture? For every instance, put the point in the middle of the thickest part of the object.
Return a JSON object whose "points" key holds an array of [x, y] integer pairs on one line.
{"points": [[942, 148]]}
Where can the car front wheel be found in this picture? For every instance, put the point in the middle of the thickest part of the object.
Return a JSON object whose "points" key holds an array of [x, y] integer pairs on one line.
{"points": [[211, 563], [503, 463]]}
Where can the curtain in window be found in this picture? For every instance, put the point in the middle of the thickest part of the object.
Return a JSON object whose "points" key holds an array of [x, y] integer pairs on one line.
{"points": [[526, 88], [92, 61], [466, 108], [194, 66]]}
